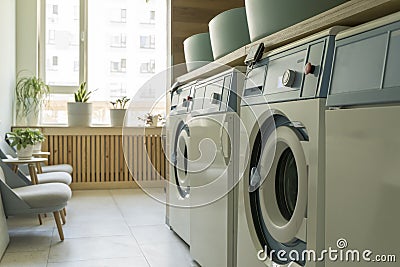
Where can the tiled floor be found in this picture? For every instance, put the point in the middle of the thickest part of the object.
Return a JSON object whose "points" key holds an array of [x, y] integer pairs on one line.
{"points": [[104, 228]]}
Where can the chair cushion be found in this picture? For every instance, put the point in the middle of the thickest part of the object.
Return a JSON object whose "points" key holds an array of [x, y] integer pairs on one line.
{"points": [[57, 168], [54, 177], [44, 195]]}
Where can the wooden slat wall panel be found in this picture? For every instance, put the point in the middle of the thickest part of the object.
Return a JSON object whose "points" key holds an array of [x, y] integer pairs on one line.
{"points": [[100, 158], [190, 17]]}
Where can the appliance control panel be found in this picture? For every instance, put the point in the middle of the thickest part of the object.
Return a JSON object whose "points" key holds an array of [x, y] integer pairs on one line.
{"points": [[300, 72], [181, 99], [218, 93]]}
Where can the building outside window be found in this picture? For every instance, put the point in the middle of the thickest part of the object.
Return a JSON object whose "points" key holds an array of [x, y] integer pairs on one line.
{"points": [[55, 9], [148, 17], [147, 41], [106, 53], [118, 66], [52, 37], [148, 67], [55, 60], [123, 15], [118, 41]]}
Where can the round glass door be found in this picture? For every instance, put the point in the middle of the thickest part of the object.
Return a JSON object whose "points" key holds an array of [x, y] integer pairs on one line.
{"points": [[286, 184], [278, 205], [181, 161]]}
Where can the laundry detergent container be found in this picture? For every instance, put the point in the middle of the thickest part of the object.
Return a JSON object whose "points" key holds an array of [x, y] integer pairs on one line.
{"points": [[197, 49], [228, 31], [269, 16]]}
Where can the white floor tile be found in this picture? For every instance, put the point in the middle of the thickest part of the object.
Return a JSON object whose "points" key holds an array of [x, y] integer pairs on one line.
{"points": [[27, 241], [174, 254], [30, 223], [120, 262], [144, 218], [94, 229], [94, 248], [104, 228], [153, 234], [25, 259]]}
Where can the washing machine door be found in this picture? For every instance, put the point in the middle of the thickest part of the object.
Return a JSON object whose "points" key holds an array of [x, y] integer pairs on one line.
{"points": [[278, 195], [180, 160]]}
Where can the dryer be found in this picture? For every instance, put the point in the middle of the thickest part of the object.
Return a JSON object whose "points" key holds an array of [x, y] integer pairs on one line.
{"points": [[363, 144], [213, 157], [281, 194], [177, 143]]}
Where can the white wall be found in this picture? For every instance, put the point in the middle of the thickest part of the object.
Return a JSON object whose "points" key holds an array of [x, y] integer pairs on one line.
{"points": [[27, 36], [7, 84]]}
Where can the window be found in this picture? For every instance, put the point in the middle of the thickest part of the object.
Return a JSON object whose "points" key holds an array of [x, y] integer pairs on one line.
{"points": [[118, 14], [55, 60], [147, 42], [52, 37], [149, 17], [123, 63], [123, 15], [117, 90], [148, 67], [55, 9], [76, 12], [118, 41], [118, 66], [152, 16], [123, 40], [114, 54], [76, 66], [62, 48]]}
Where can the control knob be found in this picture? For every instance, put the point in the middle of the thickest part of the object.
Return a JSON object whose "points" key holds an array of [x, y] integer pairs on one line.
{"points": [[309, 69], [288, 78]]}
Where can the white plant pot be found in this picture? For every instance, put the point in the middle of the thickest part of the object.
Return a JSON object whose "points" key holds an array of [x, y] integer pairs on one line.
{"points": [[25, 153], [117, 117], [37, 147], [154, 122], [79, 114]]}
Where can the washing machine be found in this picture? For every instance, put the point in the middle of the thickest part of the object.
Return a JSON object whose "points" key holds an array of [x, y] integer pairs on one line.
{"points": [[213, 156], [281, 194], [178, 134], [363, 145]]}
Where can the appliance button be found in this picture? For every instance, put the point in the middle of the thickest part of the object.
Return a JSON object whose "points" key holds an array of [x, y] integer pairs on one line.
{"points": [[288, 78], [309, 68]]}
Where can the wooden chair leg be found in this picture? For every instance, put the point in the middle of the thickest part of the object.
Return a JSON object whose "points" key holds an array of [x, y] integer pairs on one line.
{"points": [[65, 211], [58, 223], [40, 219], [62, 217]]}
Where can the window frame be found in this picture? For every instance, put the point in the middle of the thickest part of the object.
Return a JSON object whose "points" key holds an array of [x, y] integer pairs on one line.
{"points": [[83, 47], [81, 13]]}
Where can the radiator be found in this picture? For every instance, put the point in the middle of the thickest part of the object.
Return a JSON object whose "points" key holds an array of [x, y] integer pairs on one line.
{"points": [[101, 156]]}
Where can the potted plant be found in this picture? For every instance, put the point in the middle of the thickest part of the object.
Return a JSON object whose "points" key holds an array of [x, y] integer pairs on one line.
{"points": [[150, 119], [117, 113], [39, 138], [80, 111], [31, 93], [23, 140]]}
